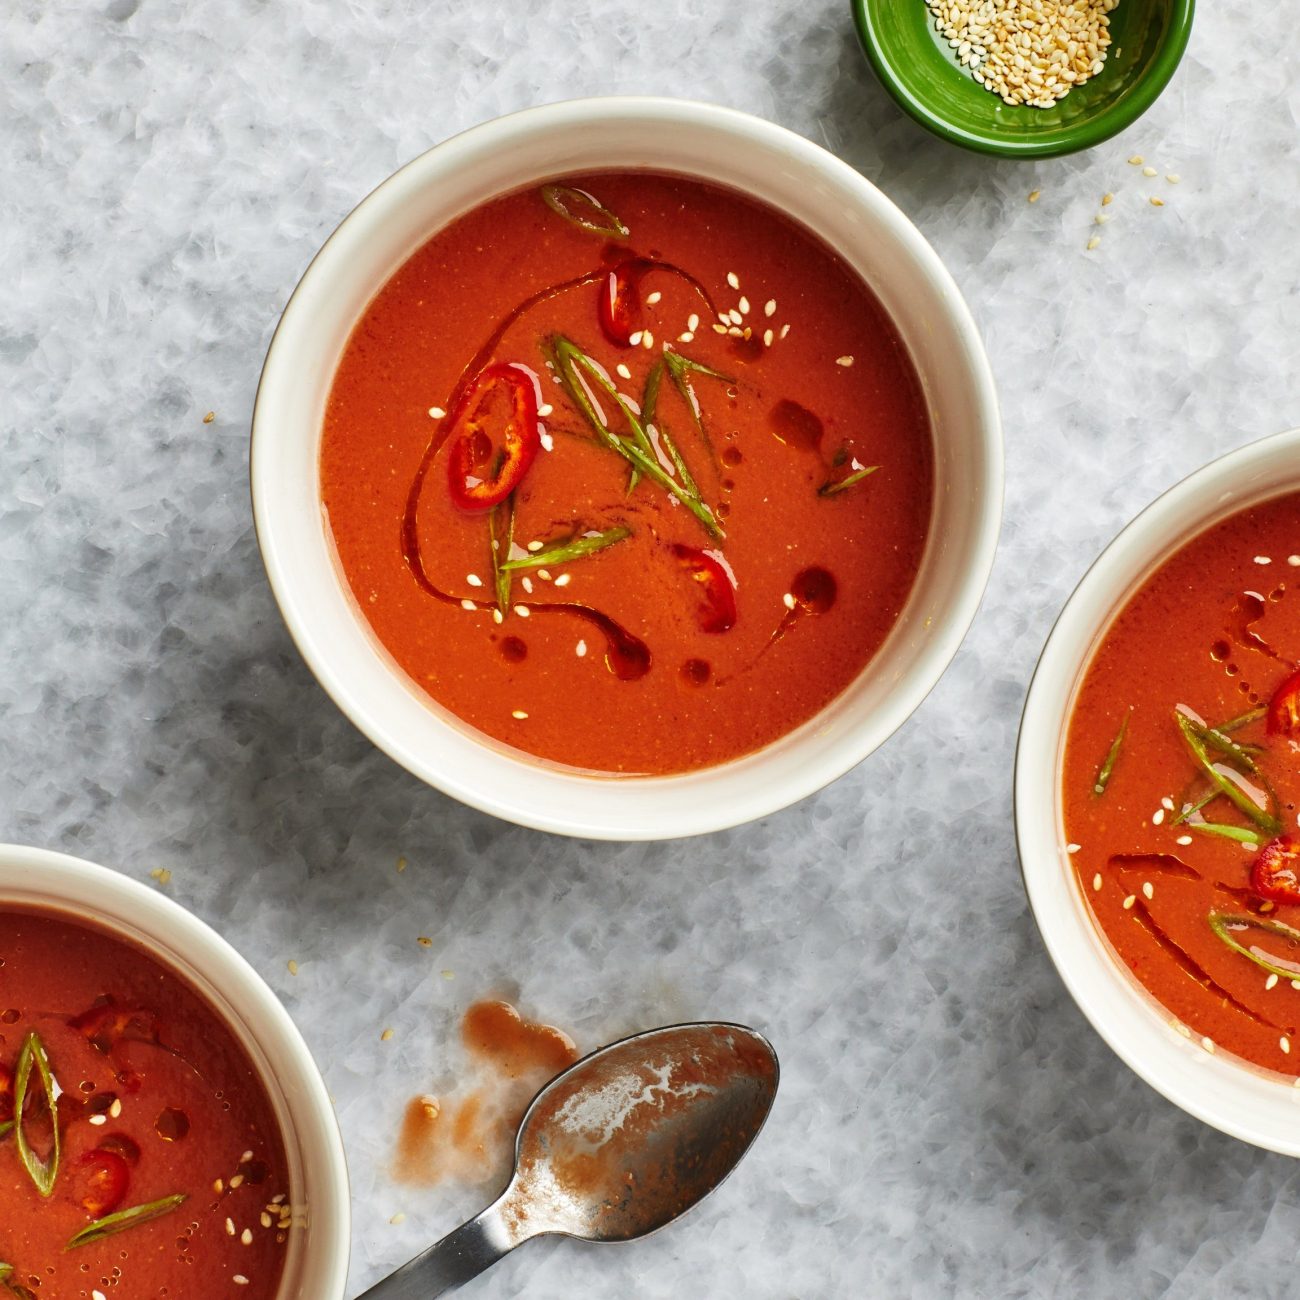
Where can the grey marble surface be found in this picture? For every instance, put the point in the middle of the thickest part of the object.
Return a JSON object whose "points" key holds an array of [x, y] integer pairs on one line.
{"points": [[948, 1123]]}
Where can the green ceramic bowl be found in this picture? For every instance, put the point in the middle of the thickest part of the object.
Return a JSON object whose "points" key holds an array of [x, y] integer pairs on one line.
{"points": [[921, 71]]}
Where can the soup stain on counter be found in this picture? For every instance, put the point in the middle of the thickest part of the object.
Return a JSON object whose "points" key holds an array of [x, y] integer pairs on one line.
{"points": [[468, 1136]]}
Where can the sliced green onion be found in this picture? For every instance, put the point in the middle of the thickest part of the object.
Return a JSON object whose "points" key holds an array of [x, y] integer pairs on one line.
{"points": [[1196, 807], [1242, 834], [832, 486], [5, 1127], [1214, 738], [1243, 719], [584, 211], [568, 359], [1262, 818], [649, 409], [1222, 922], [1106, 770], [124, 1219], [573, 549], [499, 546], [42, 1172]]}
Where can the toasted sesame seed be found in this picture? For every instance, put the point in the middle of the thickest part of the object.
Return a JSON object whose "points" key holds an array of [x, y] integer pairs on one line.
{"points": [[736, 332], [1148, 171], [230, 1227], [647, 339], [99, 1119], [846, 362], [523, 611], [769, 307], [536, 546], [115, 1110], [1263, 559], [653, 298], [1034, 195], [580, 649], [693, 322], [733, 279], [563, 580], [1136, 160], [473, 579], [399, 1217], [1129, 901], [1184, 839], [1173, 177], [1284, 1043], [246, 1236], [1271, 982], [424, 941], [1072, 848], [1208, 1044], [437, 412], [743, 304], [1148, 890], [719, 329], [386, 1036], [1107, 200], [1100, 219], [264, 1219], [544, 574], [468, 604], [1094, 242], [218, 1187], [293, 967], [785, 329], [788, 600], [498, 616], [635, 338], [1096, 883], [1155, 202], [518, 713], [768, 336], [236, 1181]]}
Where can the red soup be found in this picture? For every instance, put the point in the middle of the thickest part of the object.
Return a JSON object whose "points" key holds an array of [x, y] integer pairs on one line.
{"points": [[139, 1154], [1182, 778], [628, 471]]}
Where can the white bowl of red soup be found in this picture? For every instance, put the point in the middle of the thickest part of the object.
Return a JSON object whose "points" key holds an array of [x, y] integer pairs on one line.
{"points": [[163, 1129], [1157, 788], [627, 468]]}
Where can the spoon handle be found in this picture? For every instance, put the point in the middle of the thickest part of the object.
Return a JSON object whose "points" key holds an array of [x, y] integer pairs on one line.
{"points": [[449, 1263]]}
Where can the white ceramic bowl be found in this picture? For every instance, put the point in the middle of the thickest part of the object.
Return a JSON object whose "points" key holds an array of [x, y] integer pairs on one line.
{"points": [[316, 1263], [1231, 1095], [715, 144]]}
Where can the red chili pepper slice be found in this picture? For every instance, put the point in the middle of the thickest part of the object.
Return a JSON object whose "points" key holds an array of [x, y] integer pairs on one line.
{"points": [[619, 304], [99, 1182], [1275, 873], [494, 436], [109, 1023], [717, 588], [1284, 708], [6, 1094]]}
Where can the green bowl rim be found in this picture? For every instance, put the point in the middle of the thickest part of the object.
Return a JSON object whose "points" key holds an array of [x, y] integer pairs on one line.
{"points": [[1084, 135]]}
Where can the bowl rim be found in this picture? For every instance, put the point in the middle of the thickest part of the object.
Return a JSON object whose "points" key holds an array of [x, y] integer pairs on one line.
{"points": [[552, 121], [62, 884], [1095, 130], [1226, 1093]]}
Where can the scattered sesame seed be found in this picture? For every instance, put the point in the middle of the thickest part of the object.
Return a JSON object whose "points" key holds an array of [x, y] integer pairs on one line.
{"points": [[580, 649], [527, 584], [653, 298], [1096, 883], [768, 336], [536, 546], [1072, 848], [1271, 982], [1107, 200], [230, 1227], [1295, 984], [386, 1036], [733, 279], [1184, 839], [647, 339], [239, 1279], [218, 1187], [498, 616], [115, 1110], [622, 371], [1100, 219], [1173, 177], [1148, 171], [473, 579], [1208, 1044], [468, 604], [519, 713], [1167, 802], [293, 967], [785, 329], [546, 409], [1034, 195], [1157, 817], [437, 412], [1094, 242], [1182, 1028], [1129, 901], [523, 611], [788, 600], [1263, 559], [1136, 160], [563, 580], [544, 574], [1155, 202], [736, 332], [211, 415], [99, 1119], [635, 338], [743, 305], [424, 941], [686, 337], [719, 329], [693, 322], [1293, 561], [264, 1219], [735, 317], [399, 1217], [1284, 1043], [236, 1181], [162, 875], [846, 362], [246, 1237], [98, 1295]]}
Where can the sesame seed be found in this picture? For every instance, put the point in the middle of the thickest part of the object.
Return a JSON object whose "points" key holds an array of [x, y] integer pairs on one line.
{"points": [[1096, 883], [635, 338], [99, 1119], [580, 649], [545, 409], [769, 307], [544, 574], [424, 941], [473, 579], [548, 443], [1208, 1044], [1263, 559], [469, 605], [1155, 202], [293, 967], [115, 1110], [1034, 195], [653, 298], [735, 317], [1184, 839], [437, 412], [522, 610], [1148, 171], [788, 600], [1094, 242], [686, 337], [1136, 160], [230, 1227], [846, 362], [1271, 982], [563, 580], [767, 338], [239, 1279], [518, 713], [236, 1181], [785, 329], [1157, 817], [218, 1187], [1167, 802], [622, 371], [1129, 901], [536, 546], [1148, 890], [498, 616], [1293, 561], [1100, 219], [386, 1036], [693, 322], [1284, 1043], [246, 1237], [647, 339], [1107, 200], [733, 279], [527, 584], [736, 332], [264, 1219], [1173, 177], [719, 329], [743, 305], [1182, 1028], [399, 1217]]}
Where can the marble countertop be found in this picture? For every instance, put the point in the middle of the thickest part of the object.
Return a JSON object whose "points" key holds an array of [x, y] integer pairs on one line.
{"points": [[948, 1124]]}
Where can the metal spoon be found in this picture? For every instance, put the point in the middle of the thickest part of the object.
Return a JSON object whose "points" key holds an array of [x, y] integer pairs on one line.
{"points": [[614, 1148]]}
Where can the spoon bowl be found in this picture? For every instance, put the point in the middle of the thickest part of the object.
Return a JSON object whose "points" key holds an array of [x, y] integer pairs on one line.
{"points": [[615, 1148]]}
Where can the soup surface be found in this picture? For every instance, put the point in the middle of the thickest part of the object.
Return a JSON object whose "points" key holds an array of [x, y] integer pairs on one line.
{"points": [[1182, 782], [629, 472], [167, 1177]]}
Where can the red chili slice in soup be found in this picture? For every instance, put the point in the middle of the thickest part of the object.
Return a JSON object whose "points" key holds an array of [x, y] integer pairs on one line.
{"points": [[99, 1182], [620, 301], [717, 589], [494, 436], [6, 1094], [110, 1023], [1275, 873], [1284, 708]]}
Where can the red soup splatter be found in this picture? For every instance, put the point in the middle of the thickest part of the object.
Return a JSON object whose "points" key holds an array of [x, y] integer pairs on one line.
{"points": [[134, 1134], [629, 472], [1182, 780]]}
